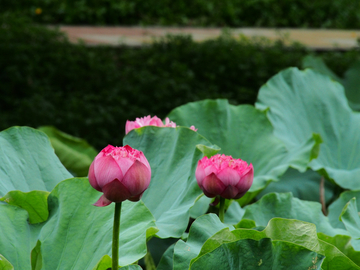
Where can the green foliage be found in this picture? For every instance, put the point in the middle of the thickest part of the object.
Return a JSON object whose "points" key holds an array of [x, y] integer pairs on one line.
{"points": [[89, 92], [268, 13], [173, 155], [37, 167], [299, 103], [244, 132], [74, 153]]}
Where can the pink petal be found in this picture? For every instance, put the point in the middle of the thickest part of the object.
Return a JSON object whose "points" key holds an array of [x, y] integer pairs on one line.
{"points": [[200, 173], [246, 180], [102, 201], [212, 185], [230, 192], [155, 121], [144, 160], [106, 170], [229, 176], [124, 163], [137, 178], [115, 191], [130, 125], [136, 198], [193, 128], [92, 178]]}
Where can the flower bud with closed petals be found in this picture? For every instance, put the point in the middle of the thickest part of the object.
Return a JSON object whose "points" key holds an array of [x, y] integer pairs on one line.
{"points": [[225, 176], [121, 173]]}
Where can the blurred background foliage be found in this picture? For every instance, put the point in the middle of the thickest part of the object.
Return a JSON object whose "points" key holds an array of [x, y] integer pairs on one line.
{"points": [[90, 92], [342, 14]]}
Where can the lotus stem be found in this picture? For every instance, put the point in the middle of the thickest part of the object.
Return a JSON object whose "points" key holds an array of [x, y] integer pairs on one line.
{"points": [[116, 233]]}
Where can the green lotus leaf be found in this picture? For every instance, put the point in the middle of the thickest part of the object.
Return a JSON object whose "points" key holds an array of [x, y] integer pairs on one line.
{"points": [[352, 85], [167, 260], [305, 186], [28, 162], [35, 202], [173, 156], [351, 80], [335, 209], [297, 232], [78, 234], [317, 64], [245, 132], [263, 254], [284, 205], [350, 217], [343, 244], [300, 103], [75, 153], [202, 228], [5, 264], [16, 239]]}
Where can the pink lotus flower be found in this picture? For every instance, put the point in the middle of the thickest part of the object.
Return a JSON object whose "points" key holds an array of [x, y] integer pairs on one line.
{"points": [[225, 176], [150, 121], [121, 173]]}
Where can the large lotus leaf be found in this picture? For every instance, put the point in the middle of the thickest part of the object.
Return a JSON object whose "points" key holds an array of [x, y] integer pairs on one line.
{"points": [[342, 243], [305, 186], [350, 217], [244, 132], [264, 254], [173, 156], [77, 234], [28, 162], [202, 229], [305, 102], [284, 205], [75, 153], [337, 206], [35, 202], [5, 264], [15, 236], [352, 85], [167, 260], [105, 263], [351, 80], [317, 64], [292, 231]]}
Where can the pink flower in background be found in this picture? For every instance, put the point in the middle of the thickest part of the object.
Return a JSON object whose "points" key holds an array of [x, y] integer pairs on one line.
{"points": [[150, 121], [121, 173], [143, 121], [225, 176]]}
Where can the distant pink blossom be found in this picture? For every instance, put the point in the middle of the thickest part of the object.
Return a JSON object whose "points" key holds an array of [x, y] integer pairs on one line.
{"points": [[150, 121], [225, 176]]}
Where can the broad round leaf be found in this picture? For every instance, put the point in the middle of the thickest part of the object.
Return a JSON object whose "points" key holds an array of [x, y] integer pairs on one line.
{"points": [[78, 234], [35, 202], [301, 103], [28, 162], [15, 236], [284, 205], [75, 153], [264, 254], [173, 157], [5, 264], [202, 229], [305, 186], [301, 233], [338, 205]]}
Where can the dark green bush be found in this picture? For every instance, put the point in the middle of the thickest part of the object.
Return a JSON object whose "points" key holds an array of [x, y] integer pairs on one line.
{"points": [[91, 91], [233, 13]]}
